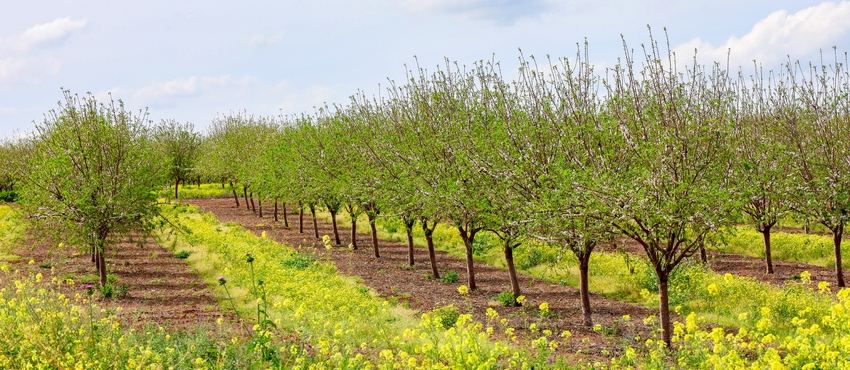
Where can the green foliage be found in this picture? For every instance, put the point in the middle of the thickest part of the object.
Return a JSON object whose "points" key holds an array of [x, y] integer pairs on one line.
{"points": [[107, 290], [506, 298], [450, 277], [535, 254], [183, 254], [179, 144], [10, 196], [796, 247], [90, 173], [446, 316], [121, 291], [300, 261]]}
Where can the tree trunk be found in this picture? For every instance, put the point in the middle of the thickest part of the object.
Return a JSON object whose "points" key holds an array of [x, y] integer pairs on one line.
{"points": [[664, 303], [253, 207], [101, 264], [285, 217], [235, 196], [260, 201], [315, 225], [584, 288], [509, 260], [768, 259], [275, 209], [353, 232], [702, 257], [176, 186], [300, 218], [410, 260], [374, 238], [836, 242], [468, 237], [245, 194], [429, 238], [336, 231]]}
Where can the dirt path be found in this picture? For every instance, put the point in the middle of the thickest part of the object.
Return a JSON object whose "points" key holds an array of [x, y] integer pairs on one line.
{"points": [[736, 264], [162, 289], [393, 279]]}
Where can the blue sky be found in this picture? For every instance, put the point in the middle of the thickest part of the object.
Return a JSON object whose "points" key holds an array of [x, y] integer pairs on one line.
{"points": [[190, 60]]}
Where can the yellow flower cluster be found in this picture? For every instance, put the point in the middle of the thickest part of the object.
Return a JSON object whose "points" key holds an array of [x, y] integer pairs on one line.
{"points": [[349, 326]]}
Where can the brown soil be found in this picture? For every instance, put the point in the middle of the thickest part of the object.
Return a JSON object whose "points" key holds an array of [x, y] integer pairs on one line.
{"points": [[390, 277], [736, 264], [162, 289]]}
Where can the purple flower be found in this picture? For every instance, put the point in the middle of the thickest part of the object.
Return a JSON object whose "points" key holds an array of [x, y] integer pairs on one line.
{"points": [[221, 280]]}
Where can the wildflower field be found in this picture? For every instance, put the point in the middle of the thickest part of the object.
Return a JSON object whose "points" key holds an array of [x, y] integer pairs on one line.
{"points": [[644, 216]]}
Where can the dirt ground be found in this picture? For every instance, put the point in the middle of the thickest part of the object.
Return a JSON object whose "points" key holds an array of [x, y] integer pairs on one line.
{"points": [[393, 279], [162, 289], [165, 290], [736, 264]]}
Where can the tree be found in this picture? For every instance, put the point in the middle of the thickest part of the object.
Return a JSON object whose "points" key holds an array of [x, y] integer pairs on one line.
{"points": [[90, 173], [568, 160], [7, 168], [762, 174], [179, 143], [667, 191], [815, 119]]}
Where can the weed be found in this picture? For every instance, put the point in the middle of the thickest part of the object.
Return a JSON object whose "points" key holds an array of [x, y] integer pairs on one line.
{"points": [[107, 291], [183, 254], [122, 291], [299, 261], [507, 299], [89, 279], [446, 315], [449, 277]]}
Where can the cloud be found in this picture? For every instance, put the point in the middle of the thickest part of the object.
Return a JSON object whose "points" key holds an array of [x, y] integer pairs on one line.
{"points": [[198, 98], [23, 58], [49, 32], [263, 40], [777, 36], [165, 94], [505, 12]]}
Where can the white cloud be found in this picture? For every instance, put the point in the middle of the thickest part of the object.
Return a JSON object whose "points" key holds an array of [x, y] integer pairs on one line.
{"points": [[201, 96], [263, 40], [776, 37], [20, 59], [49, 32], [499, 11], [172, 92], [29, 69]]}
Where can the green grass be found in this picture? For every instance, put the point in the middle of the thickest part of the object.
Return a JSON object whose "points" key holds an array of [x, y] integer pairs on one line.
{"points": [[196, 192], [11, 229], [735, 301], [813, 249], [309, 297]]}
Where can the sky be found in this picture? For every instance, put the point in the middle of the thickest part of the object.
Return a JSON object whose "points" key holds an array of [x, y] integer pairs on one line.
{"points": [[193, 60]]}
